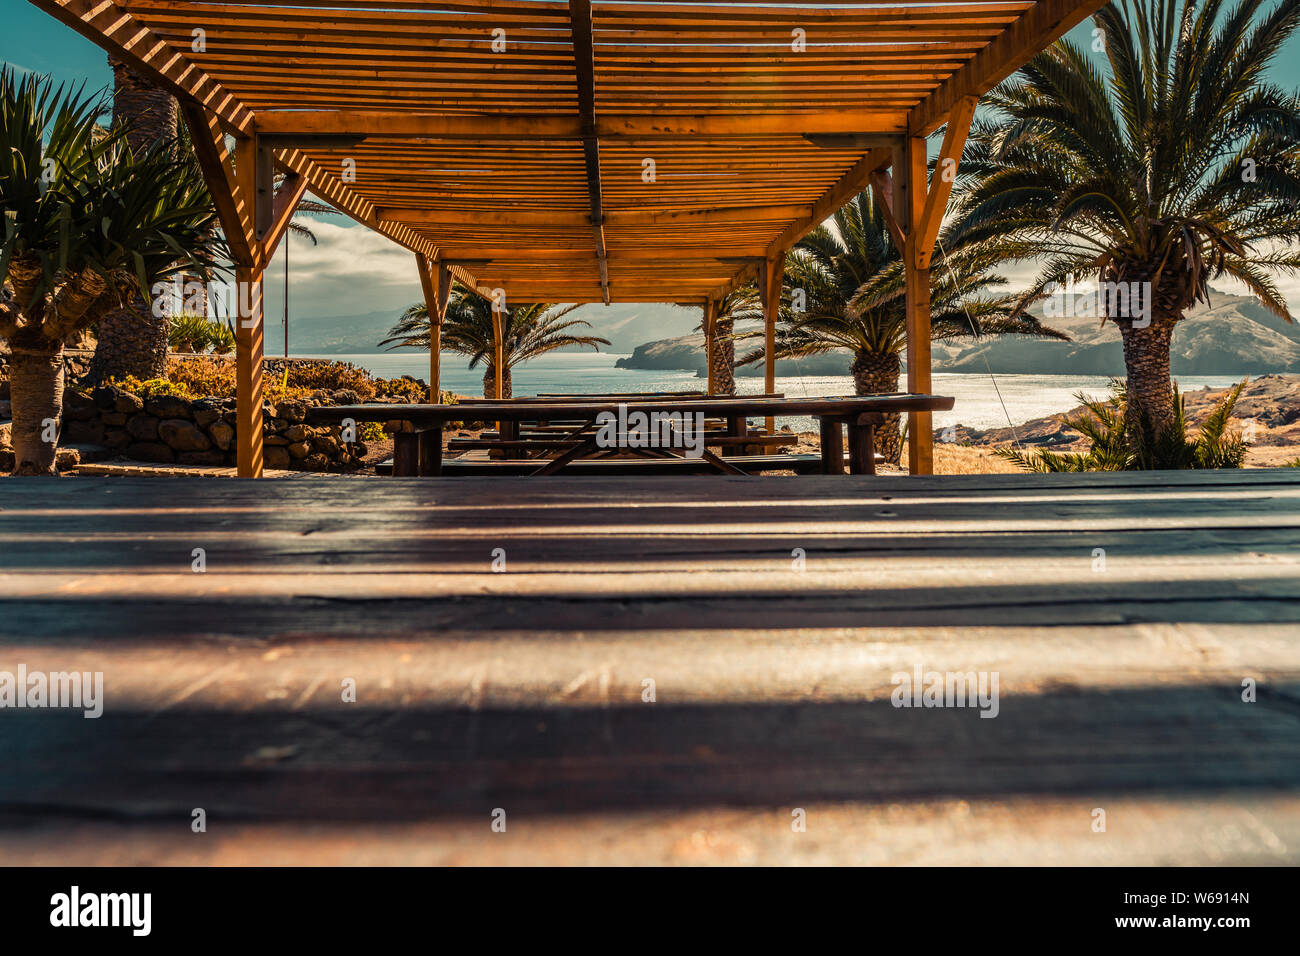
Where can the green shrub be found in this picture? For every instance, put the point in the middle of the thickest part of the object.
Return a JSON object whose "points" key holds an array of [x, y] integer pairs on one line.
{"points": [[1105, 425], [221, 338], [188, 333]]}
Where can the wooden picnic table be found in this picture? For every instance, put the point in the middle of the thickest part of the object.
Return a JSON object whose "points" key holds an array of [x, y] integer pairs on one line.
{"points": [[420, 453]]}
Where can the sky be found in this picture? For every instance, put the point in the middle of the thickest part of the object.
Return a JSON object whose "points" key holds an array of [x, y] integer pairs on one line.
{"points": [[352, 271]]}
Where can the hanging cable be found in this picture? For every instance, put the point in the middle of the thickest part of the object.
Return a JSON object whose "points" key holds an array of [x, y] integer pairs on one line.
{"points": [[1015, 436]]}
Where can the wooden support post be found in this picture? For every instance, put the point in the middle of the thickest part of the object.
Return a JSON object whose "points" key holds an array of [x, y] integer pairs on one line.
{"points": [[769, 286], [909, 205], [249, 352], [249, 326], [436, 298], [832, 443], [862, 448], [406, 454], [710, 317], [430, 452]]}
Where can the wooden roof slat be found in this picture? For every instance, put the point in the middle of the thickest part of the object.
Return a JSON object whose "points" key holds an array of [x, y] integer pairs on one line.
{"points": [[526, 164]]}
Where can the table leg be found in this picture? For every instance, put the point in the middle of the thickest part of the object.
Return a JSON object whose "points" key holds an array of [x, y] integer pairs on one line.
{"points": [[832, 442], [862, 449], [406, 454], [430, 452]]}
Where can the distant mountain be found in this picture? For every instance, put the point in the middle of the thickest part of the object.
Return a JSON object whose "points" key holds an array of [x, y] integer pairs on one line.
{"points": [[1232, 335], [625, 325]]}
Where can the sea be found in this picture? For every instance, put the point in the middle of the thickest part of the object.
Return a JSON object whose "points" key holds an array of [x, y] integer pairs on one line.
{"points": [[982, 400]]}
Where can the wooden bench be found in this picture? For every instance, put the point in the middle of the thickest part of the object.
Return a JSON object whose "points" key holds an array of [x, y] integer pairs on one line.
{"points": [[420, 452]]}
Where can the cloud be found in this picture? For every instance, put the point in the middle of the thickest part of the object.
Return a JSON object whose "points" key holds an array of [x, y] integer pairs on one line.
{"points": [[351, 272]]}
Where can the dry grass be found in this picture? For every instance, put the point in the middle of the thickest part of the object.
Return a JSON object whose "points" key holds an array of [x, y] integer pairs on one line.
{"points": [[970, 460]]}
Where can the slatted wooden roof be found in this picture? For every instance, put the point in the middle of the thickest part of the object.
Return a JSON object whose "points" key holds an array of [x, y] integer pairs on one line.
{"points": [[514, 137]]}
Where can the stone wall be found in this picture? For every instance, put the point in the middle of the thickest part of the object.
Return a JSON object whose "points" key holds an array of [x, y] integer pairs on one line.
{"points": [[166, 429]]}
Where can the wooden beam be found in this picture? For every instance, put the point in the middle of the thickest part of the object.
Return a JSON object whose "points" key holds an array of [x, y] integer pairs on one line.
{"points": [[909, 204], [848, 186], [945, 173], [584, 62], [545, 126], [287, 198], [882, 187], [110, 26], [437, 295], [560, 219], [249, 353], [709, 322], [499, 353], [1040, 25], [214, 160], [770, 273]]}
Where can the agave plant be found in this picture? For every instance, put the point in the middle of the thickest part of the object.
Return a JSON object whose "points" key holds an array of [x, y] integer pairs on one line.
{"points": [[221, 337], [528, 331], [188, 333], [87, 225], [1176, 165], [1105, 425]]}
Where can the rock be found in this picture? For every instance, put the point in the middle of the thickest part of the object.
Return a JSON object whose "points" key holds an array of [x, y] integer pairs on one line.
{"points": [[345, 396], [78, 406], [65, 458], [297, 433], [150, 451], [211, 457], [183, 435], [6, 435], [89, 433], [277, 426], [293, 412], [106, 396], [116, 438], [6, 409], [168, 406], [274, 440], [326, 445], [6, 460], [143, 427], [206, 411], [299, 449], [315, 463], [128, 403], [222, 435], [275, 456], [117, 419]]}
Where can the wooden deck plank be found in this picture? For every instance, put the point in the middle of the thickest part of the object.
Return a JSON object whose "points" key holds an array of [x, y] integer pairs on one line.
{"points": [[1119, 688]]}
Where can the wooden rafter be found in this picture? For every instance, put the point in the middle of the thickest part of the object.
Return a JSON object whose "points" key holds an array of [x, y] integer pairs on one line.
{"points": [[520, 163], [584, 62], [945, 172]]}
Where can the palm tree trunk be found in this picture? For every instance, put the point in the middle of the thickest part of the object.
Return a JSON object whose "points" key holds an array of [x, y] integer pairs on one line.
{"points": [[722, 358], [877, 374], [1149, 388], [133, 341], [490, 383], [36, 394]]}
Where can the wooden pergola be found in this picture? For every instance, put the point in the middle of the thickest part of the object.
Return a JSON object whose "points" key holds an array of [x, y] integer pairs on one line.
{"points": [[576, 151]]}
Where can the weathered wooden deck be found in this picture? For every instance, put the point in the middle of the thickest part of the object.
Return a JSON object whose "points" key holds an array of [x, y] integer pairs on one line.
{"points": [[1120, 689]]}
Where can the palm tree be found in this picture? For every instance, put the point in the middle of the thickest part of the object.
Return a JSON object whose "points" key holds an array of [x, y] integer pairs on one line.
{"points": [[739, 305], [132, 340], [849, 275], [89, 224], [527, 331], [1175, 167]]}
